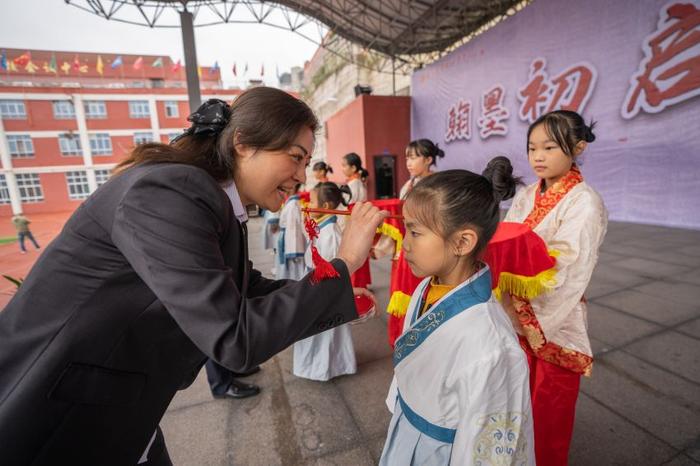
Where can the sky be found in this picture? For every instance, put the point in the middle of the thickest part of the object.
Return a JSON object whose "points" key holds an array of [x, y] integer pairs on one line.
{"points": [[54, 25]]}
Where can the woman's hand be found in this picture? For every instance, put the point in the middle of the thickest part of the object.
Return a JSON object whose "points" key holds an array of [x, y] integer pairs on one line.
{"points": [[364, 292], [359, 234]]}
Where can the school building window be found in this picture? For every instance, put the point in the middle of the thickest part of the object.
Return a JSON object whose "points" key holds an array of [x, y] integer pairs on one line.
{"points": [[29, 186], [139, 109], [101, 176], [100, 144], [95, 109], [12, 110], [78, 187], [4, 191], [21, 145], [172, 136], [69, 144], [63, 110], [142, 137], [171, 109]]}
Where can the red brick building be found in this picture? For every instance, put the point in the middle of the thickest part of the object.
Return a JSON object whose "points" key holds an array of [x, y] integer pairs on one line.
{"points": [[67, 118]]}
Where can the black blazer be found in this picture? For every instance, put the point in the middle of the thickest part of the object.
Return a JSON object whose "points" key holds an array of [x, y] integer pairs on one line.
{"points": [[148, 279]]}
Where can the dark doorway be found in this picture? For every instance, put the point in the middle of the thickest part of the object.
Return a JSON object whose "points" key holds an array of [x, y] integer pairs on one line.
{"points": [[385, 176]]}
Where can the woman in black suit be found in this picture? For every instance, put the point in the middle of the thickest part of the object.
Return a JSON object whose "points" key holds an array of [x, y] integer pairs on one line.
{"points": [[150, 277]]}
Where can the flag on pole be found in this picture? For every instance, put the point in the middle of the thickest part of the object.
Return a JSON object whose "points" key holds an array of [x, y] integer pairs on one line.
{"points": [[138, 64], [76, 64], [234, 69], [214, 69], [176, 67], [199, 71], [31, 67], [3, 62], [53, 65], [23, 59], [117, 62], [11, 66], [262, 70], [157, 63], [100, 66], [65, 67]]}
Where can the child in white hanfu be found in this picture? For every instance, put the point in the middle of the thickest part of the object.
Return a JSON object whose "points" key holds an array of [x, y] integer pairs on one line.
{"points": [[291, 241], [460, 393], [569, 215], [331, 353]]}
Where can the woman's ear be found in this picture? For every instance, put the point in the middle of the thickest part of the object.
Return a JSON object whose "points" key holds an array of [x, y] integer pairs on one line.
{"points": [[465, 241], [242, 151]]}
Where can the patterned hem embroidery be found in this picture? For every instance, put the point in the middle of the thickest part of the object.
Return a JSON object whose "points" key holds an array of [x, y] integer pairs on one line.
{"points": [[533, 339], [501, 440]]}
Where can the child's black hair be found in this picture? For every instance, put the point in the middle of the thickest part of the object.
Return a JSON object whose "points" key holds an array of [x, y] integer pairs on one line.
{"points": [[450, 200], [323, 166], [566, 128], [425, 148], [354, 160], [331, 193]]}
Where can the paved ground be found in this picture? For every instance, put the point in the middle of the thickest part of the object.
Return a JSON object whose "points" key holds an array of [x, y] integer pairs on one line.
{"points": [[640, 407]]}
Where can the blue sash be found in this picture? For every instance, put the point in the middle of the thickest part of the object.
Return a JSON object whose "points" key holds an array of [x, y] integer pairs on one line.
{"points": [[442, 434]]}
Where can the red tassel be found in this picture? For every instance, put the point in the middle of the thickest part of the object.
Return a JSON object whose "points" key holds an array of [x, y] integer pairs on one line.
{"points": [[322, 268]]}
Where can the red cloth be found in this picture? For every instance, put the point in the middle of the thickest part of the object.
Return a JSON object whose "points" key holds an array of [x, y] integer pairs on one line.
{"points": [[554, 391], [362, 277], [515, 248]]}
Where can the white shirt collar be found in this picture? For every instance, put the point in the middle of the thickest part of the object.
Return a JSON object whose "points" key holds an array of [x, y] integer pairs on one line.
{"points": [[239, 209]]}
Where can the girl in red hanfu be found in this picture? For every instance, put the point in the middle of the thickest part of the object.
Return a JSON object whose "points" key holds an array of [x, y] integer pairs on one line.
{"points": [[351, 166], [571, 218], [421, 156]]}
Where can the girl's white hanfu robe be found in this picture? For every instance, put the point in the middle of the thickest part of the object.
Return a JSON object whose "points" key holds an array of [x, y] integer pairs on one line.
{"points": [[460, 393], [331, 353], [272, 220], [291, 242], [572, 219]]}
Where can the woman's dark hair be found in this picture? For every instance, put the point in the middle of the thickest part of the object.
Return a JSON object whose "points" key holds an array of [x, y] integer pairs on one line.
{"points": [[566, 128], [331, 193], [260, 118], [425, 148], [453, 199], [323, 166], [354, 160]]}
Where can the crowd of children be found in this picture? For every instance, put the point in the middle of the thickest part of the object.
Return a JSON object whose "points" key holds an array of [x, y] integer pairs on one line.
{"points": [[480, 377]]}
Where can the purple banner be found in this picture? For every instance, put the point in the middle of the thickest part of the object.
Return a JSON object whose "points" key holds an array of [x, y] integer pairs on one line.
{"points": [[631, 65]]}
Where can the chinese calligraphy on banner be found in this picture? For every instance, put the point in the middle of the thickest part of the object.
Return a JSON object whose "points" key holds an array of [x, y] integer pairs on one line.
{"points": [[633, 66]]}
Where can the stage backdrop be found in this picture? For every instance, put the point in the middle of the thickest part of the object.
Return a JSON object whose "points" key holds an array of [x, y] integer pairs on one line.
{"points": [[631, 65]]}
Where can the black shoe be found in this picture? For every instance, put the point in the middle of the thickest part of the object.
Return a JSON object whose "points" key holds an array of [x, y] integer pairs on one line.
{"points": [[254, 370], [240, 390]]}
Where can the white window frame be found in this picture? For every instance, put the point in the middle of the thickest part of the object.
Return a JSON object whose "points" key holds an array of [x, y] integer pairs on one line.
{"points": [[4, 190], [64, 143], [13, 109], [142, 137], [101, 176], [172, 110], [63, 110], [29, 186], [95, 109], [21, 146], [100, 144], [139, 109], [77, 184]]}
